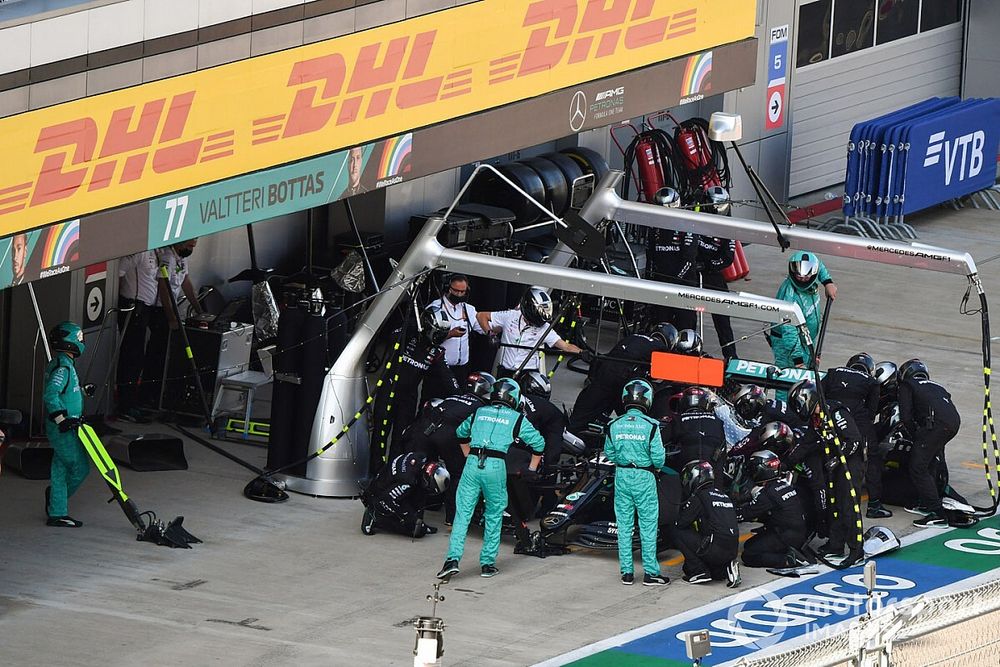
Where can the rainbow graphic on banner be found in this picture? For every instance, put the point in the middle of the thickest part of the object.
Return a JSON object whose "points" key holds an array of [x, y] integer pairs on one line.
{"points": [[697, 74], [61, 243], [395, 153]]}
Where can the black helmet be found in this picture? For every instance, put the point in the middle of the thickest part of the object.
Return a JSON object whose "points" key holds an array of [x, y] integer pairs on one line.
{"points": [[697, 475], [535, 384], [667, 197], [803, 268], [480, 384], [436, 476], [506, 392], [777, 437], [637, 394], [803, 398], [688, 342], [695, 399], [536, 306], [914, 369], [764, 466], [67, 337], [862, 361], [885, 373], [435, 324], [666, 332], [749, 401]]}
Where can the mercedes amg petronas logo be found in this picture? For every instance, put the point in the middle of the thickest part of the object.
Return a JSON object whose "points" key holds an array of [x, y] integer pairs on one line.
{"points": [[578, 111]]}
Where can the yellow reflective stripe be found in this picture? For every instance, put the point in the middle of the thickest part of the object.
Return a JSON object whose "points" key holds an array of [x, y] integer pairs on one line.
{"points": [[188, 352]]}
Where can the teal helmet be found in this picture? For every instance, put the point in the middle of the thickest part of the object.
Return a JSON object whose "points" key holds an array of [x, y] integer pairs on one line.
{"points": [[67, 337], [506, 392], [637, 394]]}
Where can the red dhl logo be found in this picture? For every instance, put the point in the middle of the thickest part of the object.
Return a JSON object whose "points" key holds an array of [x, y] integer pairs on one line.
{"points": [[383, 77]]}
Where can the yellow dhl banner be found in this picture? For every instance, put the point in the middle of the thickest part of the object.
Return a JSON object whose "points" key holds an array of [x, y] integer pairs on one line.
{"points": [[133, 144]]}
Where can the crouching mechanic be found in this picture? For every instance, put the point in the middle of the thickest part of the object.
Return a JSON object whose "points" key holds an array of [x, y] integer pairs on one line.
{"points": [[63, 401], [929, 416], [707, 531], [633, 444], [486, 435], [775, 504], [395, 500]]}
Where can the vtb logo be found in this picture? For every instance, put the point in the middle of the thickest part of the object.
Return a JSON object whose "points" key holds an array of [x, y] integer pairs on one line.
{"points": [[966, 150]]}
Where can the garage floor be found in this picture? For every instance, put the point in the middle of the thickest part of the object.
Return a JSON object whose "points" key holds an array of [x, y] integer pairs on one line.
{"points": [[298, 583]]}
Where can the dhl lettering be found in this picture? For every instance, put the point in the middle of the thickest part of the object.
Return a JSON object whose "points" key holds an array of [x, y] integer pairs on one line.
{"points": [[170, 135], [79, 139], [607, 24], [379, 71]]}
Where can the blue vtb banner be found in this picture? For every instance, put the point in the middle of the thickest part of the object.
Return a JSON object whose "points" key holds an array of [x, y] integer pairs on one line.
{"points": [[951, 153], [921, 155]]}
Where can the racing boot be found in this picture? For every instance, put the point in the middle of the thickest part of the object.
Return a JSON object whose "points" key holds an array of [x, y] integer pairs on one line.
{"points": [[448, 570], [876, 510], [63, 522]]}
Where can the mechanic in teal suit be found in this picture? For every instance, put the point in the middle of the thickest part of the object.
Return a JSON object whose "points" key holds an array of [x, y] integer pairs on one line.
{"points": [[806, 272], [633, 444], [486, 435], [63, 400]]}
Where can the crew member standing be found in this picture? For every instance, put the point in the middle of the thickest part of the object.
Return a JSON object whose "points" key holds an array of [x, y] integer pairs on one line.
{"points": [[137, 292], [491, 430], [633, 444], [550, 422], [462, 315], [817, 438], [63, 400], [162, 319], [707, 531], [629, 358], [521, 328], [854, 387], [930, 418], [806, 272]]}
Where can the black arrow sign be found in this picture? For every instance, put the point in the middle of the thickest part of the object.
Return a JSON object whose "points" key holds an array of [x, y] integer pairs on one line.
{"points": [[96, 303], [776, 105]]}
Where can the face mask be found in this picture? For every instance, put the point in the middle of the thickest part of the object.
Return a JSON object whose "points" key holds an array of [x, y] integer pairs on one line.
{"points": [[184, 252], [454, 298]]}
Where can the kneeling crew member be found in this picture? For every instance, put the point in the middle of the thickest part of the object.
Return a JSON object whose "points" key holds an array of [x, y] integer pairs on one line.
{"points": [[777, 506], [395, 501], [491, 429], [931, 419], [633, 444], [707, 529]]}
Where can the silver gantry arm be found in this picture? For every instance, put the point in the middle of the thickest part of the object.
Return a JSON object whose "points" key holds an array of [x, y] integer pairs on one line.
{"points": [[605, 204]]}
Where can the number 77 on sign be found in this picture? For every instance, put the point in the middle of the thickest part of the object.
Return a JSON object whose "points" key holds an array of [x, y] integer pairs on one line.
{"points": [[777, 64]]}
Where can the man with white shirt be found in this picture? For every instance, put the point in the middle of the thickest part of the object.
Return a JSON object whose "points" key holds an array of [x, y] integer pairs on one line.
{"points": [[136, 291], [162, 319], [521, 328], [463, 316]]}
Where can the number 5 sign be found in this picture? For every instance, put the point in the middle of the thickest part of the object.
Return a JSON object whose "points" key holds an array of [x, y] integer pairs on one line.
{"points": [[777, 64]]}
